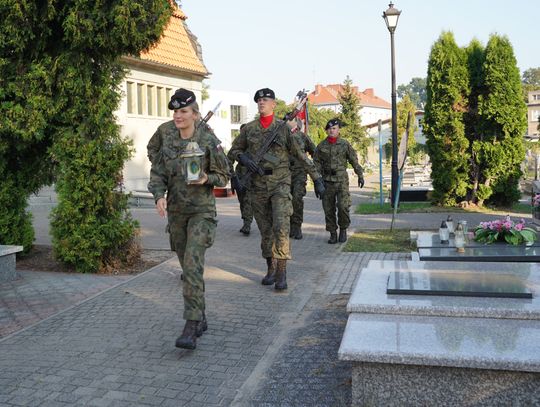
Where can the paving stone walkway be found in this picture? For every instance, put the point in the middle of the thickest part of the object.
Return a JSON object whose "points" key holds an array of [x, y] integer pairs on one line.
{"points": [[262, 348]]}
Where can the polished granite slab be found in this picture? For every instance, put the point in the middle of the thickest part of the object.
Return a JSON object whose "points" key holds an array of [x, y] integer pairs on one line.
{"points": [[484, 253], [369, 294], [470, 284], [481, 343], [428, 239]]}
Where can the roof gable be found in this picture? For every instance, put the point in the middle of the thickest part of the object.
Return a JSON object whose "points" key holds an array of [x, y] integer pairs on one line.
{"points": [[329, 95], [178, 47]]}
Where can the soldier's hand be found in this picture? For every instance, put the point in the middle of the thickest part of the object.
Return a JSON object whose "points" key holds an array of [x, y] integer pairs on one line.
{"points": [[247, 162], [319, 187], [361, 181], [161, 206]]}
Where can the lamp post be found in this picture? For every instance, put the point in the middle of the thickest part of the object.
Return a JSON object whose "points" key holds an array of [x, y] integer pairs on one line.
{"points": [[391, 17]]}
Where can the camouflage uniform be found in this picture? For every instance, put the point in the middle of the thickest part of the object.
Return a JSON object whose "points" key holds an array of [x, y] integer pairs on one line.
{"points": [[191, 209], [243, 197], [298, 180], [271, 193], [331, 160]]}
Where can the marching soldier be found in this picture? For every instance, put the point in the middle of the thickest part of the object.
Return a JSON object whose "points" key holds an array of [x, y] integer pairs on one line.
{"points": [[190, 204], [331, 158], [271, 183], [299, 178]]}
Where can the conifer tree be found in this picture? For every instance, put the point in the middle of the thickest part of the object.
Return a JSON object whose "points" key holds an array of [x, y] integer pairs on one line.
{"points": [[503, 117], [447, 89], [350, 117]]}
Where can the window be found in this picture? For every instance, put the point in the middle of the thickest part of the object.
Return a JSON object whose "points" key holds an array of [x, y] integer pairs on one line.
{"points": [[236, 114], [536, 97], [140, 99], [160, 99], [535, 115], [150, 99], [168, 94], [131, 97]]}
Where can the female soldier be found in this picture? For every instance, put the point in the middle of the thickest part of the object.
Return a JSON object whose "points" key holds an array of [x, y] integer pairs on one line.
{"points": [[190, 204]]}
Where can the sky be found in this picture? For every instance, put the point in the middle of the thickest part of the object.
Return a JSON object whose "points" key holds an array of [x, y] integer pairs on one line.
{"points": [[294, 44]]}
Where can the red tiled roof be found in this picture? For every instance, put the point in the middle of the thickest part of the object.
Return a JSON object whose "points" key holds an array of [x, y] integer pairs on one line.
{"points": [[178, 47], [328, 95]]}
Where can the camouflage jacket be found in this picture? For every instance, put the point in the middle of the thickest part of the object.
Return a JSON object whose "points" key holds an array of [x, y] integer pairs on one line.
{"points": [[167, 173], [276, 161], [332, 159], [307, 146]]}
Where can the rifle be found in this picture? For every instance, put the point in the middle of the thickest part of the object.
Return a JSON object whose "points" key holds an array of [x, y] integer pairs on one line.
{"points": [[242, 183]]}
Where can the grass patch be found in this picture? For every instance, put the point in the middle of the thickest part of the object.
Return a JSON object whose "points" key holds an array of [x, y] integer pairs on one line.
{"points": [[386, 241], [426, 207]]}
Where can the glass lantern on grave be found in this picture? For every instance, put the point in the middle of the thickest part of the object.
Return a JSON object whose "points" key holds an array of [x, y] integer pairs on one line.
{"points": [[192, 158], [450, 224], [459, 238], [444, 234]]}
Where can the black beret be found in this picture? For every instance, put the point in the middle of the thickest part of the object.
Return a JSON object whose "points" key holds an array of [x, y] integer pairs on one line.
{"points": [[332, 123], [264, 93], [181, 98]]}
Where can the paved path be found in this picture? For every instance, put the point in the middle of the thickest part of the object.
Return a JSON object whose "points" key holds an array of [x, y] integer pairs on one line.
{"points": [[262, 348]]}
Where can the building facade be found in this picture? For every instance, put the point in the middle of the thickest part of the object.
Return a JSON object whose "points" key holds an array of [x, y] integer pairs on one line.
{"points": [[174, 62], [533, 113], [372, 107]]}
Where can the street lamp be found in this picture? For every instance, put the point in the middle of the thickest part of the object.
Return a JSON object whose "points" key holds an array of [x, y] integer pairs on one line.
{"points": [[391, 17]]}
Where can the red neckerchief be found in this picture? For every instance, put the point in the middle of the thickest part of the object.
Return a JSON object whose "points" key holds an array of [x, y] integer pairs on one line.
{"points": [[332, 140], [266, 121]]}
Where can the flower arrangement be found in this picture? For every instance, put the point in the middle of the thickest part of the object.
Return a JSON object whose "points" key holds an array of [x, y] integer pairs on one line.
{"points": [[504, 230]]}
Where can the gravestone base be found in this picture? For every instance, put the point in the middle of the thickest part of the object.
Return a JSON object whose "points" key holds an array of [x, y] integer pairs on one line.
{"points": [[381, 384], [7, 262]]}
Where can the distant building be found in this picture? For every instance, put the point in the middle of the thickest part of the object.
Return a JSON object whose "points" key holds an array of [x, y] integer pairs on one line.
{"points": [[174, 62], [372, 109], [533, 113], [232, 113]]}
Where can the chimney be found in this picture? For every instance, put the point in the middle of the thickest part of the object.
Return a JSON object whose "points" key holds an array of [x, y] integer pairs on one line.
{"points": [[318, 89], [369, 92]]}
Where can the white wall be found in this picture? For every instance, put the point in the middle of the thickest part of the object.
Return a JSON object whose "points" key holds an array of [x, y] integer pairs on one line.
{"points": [[221, 121], [140, 127]]}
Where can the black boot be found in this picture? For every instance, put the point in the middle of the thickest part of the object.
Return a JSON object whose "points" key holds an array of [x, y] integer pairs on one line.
{"points": [[342, 235], [246, 229], [333, 238], [270, 277], [298, 235], [292, 231], [281, 275], [188, 339], [202, 326]]}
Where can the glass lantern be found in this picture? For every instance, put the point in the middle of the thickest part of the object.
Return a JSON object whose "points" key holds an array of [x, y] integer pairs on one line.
{"points": [[450, 224], [459, 239], [192, 158], [444, 235]]}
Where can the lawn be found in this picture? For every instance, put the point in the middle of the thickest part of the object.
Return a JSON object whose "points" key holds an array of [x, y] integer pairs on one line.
{"points": [[427, 207], [384, 241]]}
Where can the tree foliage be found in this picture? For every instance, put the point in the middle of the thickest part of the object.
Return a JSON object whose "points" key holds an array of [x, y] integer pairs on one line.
{"points": [[60, 72], [447, 90], [475, 121], [350, 117], [416, 90], [531, 81]]}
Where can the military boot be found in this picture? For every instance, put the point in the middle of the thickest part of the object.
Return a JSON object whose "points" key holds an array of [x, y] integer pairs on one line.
{"points": [[292, 231], [333, 238], [246, 229], [281, 275], [342, 235], [270, 277], [188, 339], [298, 235], [202, 326]]}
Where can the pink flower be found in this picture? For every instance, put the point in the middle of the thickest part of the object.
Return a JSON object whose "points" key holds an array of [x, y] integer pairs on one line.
{"points": [[519, 227]]}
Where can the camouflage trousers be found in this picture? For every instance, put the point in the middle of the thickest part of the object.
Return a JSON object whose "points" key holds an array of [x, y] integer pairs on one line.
{"points": [[245, 206], [190, 236], [272, 210], [298, 191], [336, 196]]}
